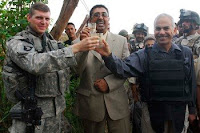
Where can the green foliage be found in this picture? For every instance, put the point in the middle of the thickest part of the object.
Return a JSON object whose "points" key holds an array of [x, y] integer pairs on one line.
{"points": [[70, 100], [12, 20]]}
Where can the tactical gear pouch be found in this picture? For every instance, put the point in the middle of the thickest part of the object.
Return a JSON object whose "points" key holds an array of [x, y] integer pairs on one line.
{"points": [[52, 84], [14, 79]]}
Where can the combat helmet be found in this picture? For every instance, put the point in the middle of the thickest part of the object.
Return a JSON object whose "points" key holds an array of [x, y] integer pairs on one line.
{"points": [[140, 27], [189, 15], [123, 33]]}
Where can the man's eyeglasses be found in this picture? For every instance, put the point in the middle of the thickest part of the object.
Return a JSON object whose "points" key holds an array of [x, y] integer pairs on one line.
{"points": [[103, 14]]}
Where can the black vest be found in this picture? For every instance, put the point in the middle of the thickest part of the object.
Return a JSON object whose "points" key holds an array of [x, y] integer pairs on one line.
{"points": [[165, 79]]}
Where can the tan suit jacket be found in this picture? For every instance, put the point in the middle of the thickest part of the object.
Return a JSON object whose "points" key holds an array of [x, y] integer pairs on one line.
{"points": [[92, 104]]}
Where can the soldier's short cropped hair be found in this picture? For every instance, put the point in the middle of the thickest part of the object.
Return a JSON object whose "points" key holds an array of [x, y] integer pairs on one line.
{"points": [[40, 7], [70, 23], [98, 6]]}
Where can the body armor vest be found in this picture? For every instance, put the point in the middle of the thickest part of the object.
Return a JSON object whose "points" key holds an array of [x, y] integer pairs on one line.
{"points": [[48, 84], [164, 79]]}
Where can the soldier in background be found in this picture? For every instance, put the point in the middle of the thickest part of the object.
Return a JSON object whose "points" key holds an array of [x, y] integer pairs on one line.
{"points": [[124, 33], [190, 22], [198, 31], [180, 29], [70, 30], [139, 31], [149, 40]]}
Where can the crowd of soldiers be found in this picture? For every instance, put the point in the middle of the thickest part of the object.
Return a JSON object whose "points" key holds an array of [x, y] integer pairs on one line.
{"points": [[162, 72]]}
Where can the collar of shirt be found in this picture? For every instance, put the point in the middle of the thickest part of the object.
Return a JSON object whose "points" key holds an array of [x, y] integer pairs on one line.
{"points": [[30, 30], [158, 48], [190, 37]]}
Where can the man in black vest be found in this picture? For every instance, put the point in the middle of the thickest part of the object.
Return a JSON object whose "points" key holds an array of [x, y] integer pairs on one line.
{"points": [[166, 76]]}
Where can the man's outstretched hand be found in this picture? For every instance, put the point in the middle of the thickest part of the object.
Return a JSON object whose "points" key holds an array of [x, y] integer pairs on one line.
{"points": [[104, 50], [89, 43]]}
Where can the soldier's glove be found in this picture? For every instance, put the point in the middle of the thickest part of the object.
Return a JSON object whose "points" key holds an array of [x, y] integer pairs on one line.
{"points": [[135, 92], [101, 85]]}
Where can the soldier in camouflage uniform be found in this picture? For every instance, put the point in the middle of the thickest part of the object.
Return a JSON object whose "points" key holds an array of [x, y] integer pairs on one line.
{"points": [[139, 31], [190, 22], [124, 33], [35, 52]]}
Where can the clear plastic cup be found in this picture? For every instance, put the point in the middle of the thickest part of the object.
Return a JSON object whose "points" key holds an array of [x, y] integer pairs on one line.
{"points": [[100, 35], [92, 27]]}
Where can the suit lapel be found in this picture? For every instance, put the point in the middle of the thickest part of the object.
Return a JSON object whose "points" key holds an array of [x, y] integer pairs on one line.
{"points": [[97, 55], [110, 40]]}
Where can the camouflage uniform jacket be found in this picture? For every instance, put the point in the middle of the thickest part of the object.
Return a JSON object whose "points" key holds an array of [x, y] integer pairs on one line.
{"points": [[135, 46], [49, 64], [193, 42]]}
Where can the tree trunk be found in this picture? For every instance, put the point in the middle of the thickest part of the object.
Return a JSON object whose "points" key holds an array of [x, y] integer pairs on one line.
{"points": [[65, 14], [82, 25]]}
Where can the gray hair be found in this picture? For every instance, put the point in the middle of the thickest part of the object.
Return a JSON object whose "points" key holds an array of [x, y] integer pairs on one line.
{"points": [[164, 15]]}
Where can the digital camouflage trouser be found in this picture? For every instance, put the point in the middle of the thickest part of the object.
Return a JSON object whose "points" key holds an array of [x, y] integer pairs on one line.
{"points": [[49, 125]]}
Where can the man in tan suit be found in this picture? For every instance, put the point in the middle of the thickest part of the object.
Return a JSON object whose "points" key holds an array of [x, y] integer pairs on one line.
{"points": [[101, 96]]}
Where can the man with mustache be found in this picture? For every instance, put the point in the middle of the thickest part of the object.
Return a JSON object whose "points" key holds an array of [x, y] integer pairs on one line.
{"points": [[101, 96], [166, 77]]}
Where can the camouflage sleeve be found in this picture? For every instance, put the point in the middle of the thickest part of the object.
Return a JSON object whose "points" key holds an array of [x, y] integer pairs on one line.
{"points": [[197, 70], [197, 60], [81, 59], [197, 47], [27, 58]]}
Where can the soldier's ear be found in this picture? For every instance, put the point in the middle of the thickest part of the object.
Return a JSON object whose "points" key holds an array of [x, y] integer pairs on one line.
{"points": [[174, 30], [28, 17]]}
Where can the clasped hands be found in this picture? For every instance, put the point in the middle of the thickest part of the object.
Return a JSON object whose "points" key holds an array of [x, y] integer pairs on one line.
{"points": [[101, 85]]}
